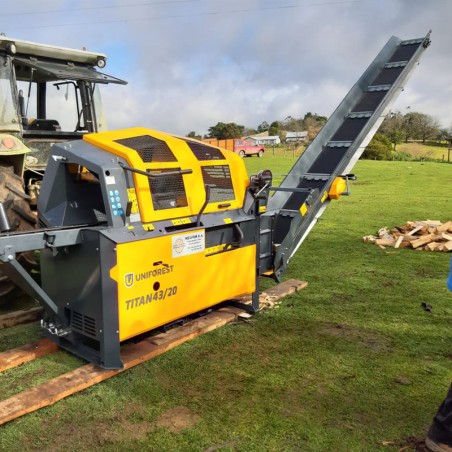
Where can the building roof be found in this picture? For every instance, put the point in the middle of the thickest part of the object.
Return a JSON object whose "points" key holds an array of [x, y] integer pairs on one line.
{"points": [[303, 134]]}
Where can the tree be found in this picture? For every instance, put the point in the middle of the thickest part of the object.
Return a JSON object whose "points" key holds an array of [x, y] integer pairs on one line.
{"points": [[420, 126], [274, 129], [194, 135], [312, 123], [248, 132], [223, 131], [379, 148], [263, 127], [293, 124], [394, 127]]}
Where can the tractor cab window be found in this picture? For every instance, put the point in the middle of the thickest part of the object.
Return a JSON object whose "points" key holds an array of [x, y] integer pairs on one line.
{"points": [[98, 108], [54, 106], [9, 120], [58, 98]]}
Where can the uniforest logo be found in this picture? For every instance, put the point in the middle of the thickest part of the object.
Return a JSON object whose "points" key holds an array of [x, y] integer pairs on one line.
{"points": [[128, 280], [131, 278]]}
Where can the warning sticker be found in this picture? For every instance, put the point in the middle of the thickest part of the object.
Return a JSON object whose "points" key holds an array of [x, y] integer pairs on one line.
{"points": [[134, 211], [190, 243], [132, 197]]}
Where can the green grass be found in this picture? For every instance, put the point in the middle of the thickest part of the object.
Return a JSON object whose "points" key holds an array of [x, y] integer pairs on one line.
{"points": [[349, 362]]}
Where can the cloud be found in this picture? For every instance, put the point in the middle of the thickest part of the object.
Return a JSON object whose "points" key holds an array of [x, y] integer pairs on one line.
{"points": [[193, 63]]}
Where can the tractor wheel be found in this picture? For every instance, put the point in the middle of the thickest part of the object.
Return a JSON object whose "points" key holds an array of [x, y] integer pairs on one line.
{"points": [[242, 154], [21, 218], [261, 153]]}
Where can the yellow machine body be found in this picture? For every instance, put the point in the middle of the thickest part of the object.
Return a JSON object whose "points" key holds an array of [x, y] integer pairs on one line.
{"points": [[226, 163], [163, 279], [172, 230]]}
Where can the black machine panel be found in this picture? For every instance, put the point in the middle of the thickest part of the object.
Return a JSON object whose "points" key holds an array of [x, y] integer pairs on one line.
{"points": [[204, 152], [150, 149]]}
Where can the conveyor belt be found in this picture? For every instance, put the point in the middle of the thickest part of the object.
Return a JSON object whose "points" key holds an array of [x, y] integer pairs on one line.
{"points": [[292, 213]]}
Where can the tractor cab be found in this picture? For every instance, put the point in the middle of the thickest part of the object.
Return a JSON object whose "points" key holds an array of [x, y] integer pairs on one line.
{"points": [[48, 94]]}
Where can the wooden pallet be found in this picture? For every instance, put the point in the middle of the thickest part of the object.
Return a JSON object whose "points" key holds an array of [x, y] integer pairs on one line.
{"points": [[58, 388]]}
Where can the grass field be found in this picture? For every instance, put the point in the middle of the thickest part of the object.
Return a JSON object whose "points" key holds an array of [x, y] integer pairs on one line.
{"points": [[418, 151], [347, 364]]}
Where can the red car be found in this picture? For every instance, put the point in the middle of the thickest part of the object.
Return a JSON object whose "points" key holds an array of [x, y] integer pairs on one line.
{"points": [[248, 147]]}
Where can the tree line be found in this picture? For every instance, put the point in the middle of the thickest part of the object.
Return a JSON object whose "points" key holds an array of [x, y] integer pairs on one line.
{"points": [[310, 122], [395, 129], [400, 128]]}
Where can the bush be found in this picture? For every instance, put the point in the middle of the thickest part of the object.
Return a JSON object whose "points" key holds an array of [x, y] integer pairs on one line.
{"points": [[380, 148], [402, 156]]}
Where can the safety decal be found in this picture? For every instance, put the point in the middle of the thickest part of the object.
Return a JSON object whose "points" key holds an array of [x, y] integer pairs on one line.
{"points": [[134, 211], [180, 221]]}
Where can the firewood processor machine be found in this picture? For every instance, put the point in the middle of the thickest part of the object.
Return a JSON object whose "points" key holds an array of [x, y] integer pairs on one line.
{"points": [[140, 228]]}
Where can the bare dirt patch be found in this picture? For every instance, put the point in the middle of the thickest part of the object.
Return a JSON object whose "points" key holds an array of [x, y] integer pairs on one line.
{"points": [[411, 444], [369, 339], [177, 419]]}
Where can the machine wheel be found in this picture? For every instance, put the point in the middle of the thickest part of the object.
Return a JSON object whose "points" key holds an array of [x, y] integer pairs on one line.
{"points": [[242, 154], [21, 218], [260, 153]]}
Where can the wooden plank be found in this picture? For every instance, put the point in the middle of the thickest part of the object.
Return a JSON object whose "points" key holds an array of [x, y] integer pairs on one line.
{"points": [[58, 388], [444, 227], [416, 229], [19, 317], [285, 288], [17, 356], [421, 241], [447, 246], [399, 241], [385, 242], [431, 246]]}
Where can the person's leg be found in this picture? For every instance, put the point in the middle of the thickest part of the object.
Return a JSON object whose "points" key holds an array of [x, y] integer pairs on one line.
{"points": [[440, 432]]}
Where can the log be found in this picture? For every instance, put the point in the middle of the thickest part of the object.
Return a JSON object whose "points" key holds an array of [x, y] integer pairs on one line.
{"points": [[19, 317]]}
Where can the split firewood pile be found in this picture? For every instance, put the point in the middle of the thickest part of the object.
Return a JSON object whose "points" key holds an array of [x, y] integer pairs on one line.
{"points": [[426, 235]]}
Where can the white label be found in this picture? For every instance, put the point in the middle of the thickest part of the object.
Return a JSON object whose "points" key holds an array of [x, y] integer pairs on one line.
{"points": [[191, 243], [110, 180], [135, 217]]}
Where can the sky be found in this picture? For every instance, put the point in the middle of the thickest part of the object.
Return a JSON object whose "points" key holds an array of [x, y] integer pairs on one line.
{"points": [[193, 63]]}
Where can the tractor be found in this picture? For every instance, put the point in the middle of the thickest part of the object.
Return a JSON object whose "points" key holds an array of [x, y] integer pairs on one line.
{"points": [[48, 94]]}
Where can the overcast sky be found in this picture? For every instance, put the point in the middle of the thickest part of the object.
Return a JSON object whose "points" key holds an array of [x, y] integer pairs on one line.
{"points": [[192, 63]]}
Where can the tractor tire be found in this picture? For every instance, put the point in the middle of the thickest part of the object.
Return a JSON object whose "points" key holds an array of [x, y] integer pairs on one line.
{"points": [[21, 218]]}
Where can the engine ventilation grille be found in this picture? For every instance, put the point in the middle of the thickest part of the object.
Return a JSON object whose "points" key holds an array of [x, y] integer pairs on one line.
{"points": [[219, 178], [204, 152], [150, 149], [83, 324], [167, 192]]}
